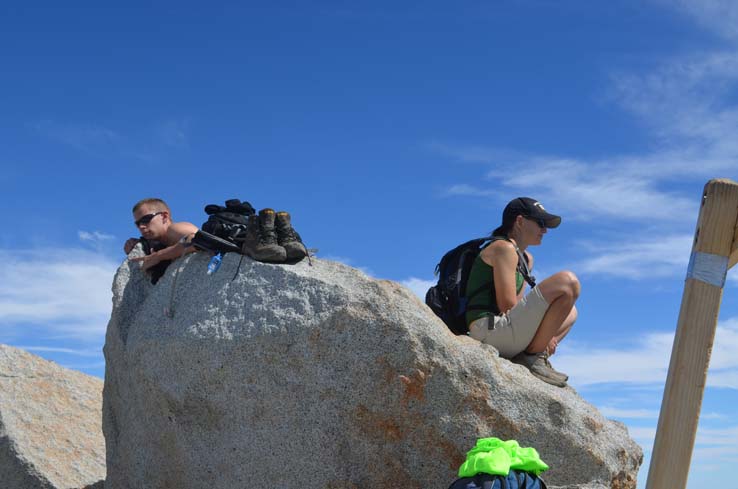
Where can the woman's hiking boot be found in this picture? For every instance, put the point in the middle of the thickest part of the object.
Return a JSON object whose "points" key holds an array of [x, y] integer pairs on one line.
{"points": [[288, 238], [260, 242], [548, 364], [539, 366]]}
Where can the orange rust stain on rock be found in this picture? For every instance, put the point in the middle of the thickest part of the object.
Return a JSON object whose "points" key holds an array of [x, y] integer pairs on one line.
{"points": [[623, 481], [314, 335], [478, 401], [622, 456], [404, 426], [595, 458], [452, 454], [593, 425], [414, 386], [388, 373], [377, 425], [391, 472]]}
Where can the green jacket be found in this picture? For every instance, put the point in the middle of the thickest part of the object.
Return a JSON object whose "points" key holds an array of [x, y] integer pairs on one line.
{"points": [[497, 457]]}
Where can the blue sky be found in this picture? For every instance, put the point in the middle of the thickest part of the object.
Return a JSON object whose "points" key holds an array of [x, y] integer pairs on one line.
{"points": [[391, 131]]}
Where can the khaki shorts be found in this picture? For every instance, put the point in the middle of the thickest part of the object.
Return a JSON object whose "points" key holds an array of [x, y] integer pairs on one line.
{"points": [[511, 333]]}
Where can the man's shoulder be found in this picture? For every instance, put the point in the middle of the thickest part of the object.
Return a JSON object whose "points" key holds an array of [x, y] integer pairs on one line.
{"points": [[177, 230]]}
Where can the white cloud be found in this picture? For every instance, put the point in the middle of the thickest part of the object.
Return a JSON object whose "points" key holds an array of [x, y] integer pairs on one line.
{"points": [[94, 236], [643, 435], [618, 188], [350, 262], [613, 412], [716, 445], [88, 138], [66, 292], [713, 447], [474, 153], [725, 346], [149, 142], [688, 103], [647, 361], [712, 416], [733, 274], [587, 190], [718, 16], [418, 286], [632, 258], [469, 190], [84, 352], [174, 132]]}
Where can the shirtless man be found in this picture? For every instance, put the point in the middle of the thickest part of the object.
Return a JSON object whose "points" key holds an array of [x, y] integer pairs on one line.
{"points": [[153, 219]]}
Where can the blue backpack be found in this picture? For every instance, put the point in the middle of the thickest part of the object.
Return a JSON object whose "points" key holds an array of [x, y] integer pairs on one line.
{"points": [[516, 479]]}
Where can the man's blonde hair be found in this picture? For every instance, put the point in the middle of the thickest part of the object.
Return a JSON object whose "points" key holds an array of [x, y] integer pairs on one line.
{"points": [[158, 204]]}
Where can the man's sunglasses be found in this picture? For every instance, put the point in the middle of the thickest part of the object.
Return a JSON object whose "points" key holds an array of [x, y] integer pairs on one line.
{"points": [[541, 223], [147, 218]]}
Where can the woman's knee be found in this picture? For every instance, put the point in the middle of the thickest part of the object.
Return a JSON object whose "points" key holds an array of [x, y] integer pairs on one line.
{"points": [[572, 282], [563, 283]]}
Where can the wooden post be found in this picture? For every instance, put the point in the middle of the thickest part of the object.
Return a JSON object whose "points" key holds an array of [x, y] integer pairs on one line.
{"points": [[713, 249]]}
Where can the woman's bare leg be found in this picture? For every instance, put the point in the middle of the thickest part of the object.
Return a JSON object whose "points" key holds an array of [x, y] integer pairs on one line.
{"points": [[561, 291], [563, 331]]}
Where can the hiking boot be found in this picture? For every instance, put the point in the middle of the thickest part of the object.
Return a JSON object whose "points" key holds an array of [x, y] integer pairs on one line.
{"points": [[260, 242], [562, 375], [536, 363], [288, 238]]}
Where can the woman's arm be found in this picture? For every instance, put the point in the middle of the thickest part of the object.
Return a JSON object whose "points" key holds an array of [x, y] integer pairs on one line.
{"points": [[503, 259]]}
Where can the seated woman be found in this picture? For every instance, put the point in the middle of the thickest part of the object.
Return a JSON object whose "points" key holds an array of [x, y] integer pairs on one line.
{"points": [[524, 328]]}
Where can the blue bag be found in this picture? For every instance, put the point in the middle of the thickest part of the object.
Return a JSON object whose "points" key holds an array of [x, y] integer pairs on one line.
{"points": [[516, 479]]}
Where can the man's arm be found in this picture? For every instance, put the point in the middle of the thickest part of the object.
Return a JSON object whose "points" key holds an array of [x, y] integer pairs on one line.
{"points": [[178, 233]]}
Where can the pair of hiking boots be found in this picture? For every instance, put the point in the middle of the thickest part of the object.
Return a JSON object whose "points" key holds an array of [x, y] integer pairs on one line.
{"points": [[271, 238], [540, 367]]}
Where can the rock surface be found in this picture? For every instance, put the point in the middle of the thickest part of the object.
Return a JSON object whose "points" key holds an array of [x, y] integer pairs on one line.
{"points": [[50, 424], [321, 377]]}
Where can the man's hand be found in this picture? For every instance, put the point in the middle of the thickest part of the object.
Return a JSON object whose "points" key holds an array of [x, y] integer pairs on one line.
{"points": [[147, 261], [130, 244]]}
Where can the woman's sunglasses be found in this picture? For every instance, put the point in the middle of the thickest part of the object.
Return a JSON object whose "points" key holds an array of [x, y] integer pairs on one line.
{"points": [[541, 223], [147, 218]]}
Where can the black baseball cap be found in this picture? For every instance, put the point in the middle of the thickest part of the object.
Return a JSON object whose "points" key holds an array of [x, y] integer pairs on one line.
{"points": [[526, 207]]}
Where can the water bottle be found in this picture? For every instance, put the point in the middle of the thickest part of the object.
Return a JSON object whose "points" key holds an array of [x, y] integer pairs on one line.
{"points": [[214, 263]]}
